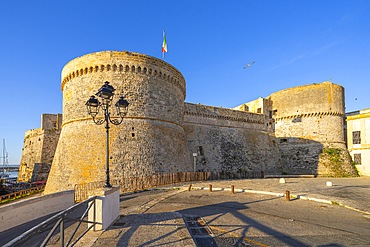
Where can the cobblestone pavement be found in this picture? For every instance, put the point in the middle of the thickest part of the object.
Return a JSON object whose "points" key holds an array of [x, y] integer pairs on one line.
{"points": [[139, 227]]}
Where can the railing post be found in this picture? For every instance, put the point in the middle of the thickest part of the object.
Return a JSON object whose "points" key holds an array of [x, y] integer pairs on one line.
{"points": [[62, 232]]}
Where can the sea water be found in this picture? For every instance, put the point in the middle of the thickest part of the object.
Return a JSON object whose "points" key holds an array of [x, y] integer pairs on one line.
{"points": [[13, 174]]}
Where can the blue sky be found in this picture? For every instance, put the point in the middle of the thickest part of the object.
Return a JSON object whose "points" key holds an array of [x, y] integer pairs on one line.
{"points": [[291, 42]]}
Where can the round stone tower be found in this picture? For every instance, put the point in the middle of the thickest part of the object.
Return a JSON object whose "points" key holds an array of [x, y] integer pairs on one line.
{"points": [[309, 124], [151, 138]]}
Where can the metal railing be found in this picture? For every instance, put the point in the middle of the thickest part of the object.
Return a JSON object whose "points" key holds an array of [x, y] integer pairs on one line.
{"points": [[70, 219], [21, 193], [132, 184]]}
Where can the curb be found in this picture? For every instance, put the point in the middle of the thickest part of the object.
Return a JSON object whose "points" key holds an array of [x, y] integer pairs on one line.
{"points": [[278, 195]]}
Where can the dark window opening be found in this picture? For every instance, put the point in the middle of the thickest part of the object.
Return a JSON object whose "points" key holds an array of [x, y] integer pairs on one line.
{"points": [[283, 140], [201, 151], [357, 159], [356, 137]]}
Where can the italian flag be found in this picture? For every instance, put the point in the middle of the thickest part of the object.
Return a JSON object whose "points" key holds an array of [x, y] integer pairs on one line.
{"points": [[164, 45]]}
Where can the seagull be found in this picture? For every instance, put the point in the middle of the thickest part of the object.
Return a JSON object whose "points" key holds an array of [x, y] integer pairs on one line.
{"points": [[248, 65]]}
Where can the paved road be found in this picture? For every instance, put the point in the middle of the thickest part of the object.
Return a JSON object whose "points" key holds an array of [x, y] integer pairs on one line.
{"points": [[258, 216], [220, 218]]}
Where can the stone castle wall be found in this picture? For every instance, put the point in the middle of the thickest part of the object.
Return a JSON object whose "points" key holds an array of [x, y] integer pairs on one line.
{"points": [[39, 147], [230, 141], [150, 139], [309, 121], [288, 131]]}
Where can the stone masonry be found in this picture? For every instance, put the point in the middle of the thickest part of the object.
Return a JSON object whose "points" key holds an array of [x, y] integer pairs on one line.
{"points": [[39, 149], [287, 132]]}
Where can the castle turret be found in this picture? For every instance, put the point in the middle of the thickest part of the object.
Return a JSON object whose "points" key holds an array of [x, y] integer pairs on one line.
{"points": [[151, 138], [309, 124]]}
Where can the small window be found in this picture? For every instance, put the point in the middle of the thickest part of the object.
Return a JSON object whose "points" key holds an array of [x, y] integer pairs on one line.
{"points": [[201, 151], [357, 159], [297, 120], [356, 137], [259, 110], [282, 140]]}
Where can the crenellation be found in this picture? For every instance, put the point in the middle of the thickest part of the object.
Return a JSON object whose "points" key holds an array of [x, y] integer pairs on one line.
{"points": [[167, 77]]}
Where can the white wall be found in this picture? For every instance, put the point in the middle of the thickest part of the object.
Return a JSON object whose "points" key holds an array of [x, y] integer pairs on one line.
{"points": [[25, 210]]}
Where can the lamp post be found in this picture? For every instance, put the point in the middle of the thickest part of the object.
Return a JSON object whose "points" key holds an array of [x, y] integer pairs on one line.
{"points": [[106, 93]]}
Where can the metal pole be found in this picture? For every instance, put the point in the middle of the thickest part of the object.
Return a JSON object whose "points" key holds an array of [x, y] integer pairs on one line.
{"points": [[107, 182]]}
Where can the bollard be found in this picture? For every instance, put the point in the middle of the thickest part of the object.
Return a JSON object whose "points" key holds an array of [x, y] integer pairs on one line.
{"points": [[328, 183], [282, 180], [189, 188], [232, 189], [287, 195], [210, 188]]}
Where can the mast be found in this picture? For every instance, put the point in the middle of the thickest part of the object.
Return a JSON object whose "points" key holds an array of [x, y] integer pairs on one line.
{"points": [[5, 157]]}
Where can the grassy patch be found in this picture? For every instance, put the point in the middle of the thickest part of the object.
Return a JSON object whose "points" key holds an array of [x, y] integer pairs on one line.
{"points": [[334, 203]]}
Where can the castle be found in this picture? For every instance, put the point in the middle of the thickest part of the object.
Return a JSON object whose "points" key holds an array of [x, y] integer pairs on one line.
{"points": [[292, 131]]}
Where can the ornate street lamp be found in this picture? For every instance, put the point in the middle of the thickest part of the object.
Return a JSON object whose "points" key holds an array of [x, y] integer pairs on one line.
{"points": [[105, 93]]}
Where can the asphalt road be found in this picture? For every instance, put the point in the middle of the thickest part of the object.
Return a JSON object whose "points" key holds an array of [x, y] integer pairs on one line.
{"points": [[168, 217], [243, 219]]}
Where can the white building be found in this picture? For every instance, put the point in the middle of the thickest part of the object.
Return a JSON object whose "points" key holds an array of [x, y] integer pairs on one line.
{"points": [[358, 139]]}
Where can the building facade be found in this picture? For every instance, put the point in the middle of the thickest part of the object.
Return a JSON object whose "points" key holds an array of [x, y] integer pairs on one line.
{"points": [[358, 139]]}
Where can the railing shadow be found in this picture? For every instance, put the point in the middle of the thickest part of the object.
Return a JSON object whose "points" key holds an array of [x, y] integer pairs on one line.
{"points": [[65, 228]]}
